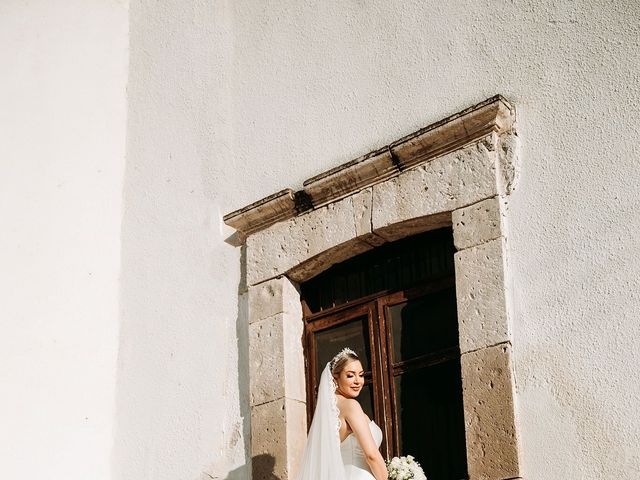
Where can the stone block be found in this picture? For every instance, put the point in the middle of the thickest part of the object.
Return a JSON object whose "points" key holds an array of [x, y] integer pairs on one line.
{"points": [[278, 295], [444, 184], [294, 376], [477, 223], [362, 211], [275, 250], [480, 291], [278, 432], [276, 360], [296, 413], [492, 445], [306, 245], [266, 365]]}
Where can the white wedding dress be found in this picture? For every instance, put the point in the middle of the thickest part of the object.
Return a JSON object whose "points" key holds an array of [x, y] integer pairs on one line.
{"points": [[355, 463], [325, 457]]}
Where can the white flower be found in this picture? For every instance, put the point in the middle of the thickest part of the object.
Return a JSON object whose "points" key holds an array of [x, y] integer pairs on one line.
{"points": [[405, 468]]}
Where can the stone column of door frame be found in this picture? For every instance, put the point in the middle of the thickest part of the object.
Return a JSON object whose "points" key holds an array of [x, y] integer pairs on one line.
{"points": [[276, 381], [485, 341]]}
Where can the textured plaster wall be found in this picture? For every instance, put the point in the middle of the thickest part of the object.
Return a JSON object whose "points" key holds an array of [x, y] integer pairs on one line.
{"points": [[62, 146], [319, 83], [183, 337], [232, 101]]}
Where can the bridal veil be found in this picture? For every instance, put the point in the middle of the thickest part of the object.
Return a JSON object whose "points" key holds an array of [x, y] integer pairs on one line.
{"points": [[322, 459]]}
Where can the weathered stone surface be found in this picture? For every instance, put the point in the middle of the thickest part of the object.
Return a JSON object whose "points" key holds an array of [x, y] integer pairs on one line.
{"points": [[266, 360], [492, 446], [274, 296], [444, 184], [306, 245], [296, 434], [346, 179], [490, 117], [278, 431], [508, 162], [480, 290], [275, 250], [477, 223], [362, 211], [264, 212], [276, 360], [294, 377]]}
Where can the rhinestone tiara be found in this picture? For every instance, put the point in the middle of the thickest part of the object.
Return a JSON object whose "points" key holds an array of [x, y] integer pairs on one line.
{"points": [[339, 355]]}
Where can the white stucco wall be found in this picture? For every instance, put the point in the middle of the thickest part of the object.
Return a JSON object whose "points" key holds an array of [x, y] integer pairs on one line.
{"points": [[180, 412], [62, 139]]}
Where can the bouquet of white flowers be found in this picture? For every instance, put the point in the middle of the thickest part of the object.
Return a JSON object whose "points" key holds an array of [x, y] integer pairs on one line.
{"points": [[405, 468]]}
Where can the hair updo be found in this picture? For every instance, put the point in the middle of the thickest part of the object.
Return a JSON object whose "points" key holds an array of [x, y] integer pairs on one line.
{"points": [[341, 359]]}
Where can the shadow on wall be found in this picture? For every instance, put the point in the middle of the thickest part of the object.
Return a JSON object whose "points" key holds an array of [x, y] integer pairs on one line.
{"points": [[243, 472], [242, 334], [262, 467]]}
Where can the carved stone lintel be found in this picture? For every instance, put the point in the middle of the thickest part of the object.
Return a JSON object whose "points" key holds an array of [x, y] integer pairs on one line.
{"points": [[492, 117]]}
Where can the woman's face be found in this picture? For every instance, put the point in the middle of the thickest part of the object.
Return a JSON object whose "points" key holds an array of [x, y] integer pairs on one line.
{"points": [[351, 379]]}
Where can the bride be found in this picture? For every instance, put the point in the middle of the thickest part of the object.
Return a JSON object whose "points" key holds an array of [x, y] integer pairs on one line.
{"points": [[343, 442]]}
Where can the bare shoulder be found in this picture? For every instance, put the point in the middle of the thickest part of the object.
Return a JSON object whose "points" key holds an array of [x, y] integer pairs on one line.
{"points": [[349, 406]]}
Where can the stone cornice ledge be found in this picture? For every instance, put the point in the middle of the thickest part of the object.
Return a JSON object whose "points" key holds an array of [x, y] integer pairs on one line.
{"points": [[493, 115], [263, 213]]}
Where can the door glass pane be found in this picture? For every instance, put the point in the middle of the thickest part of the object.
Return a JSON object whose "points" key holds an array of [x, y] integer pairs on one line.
{"points": [[430, 419], [353, 334], [424, 325]]}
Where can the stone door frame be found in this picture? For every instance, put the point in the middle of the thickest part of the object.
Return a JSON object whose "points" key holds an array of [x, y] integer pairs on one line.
{"points": [[458, 172]]}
